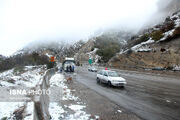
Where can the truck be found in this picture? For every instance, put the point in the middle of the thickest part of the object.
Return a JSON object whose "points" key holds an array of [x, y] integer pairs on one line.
{"points": [[68, 64]]}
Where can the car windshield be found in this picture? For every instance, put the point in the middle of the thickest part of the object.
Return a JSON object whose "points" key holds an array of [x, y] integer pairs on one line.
{"points": [[113, 74]]}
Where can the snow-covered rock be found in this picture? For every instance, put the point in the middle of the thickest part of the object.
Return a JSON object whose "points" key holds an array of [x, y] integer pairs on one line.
{"points": [[142, 46], [176, 68], [166, 35]]}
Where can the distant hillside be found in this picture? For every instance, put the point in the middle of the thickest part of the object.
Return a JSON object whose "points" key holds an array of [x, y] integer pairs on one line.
{"points": [[103, 47], [23, 60], [156, 48], [51, 48], [39, 53]]}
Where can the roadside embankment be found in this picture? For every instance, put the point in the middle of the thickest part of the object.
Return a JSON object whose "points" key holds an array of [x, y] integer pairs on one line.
{"points": [[42, 101]]}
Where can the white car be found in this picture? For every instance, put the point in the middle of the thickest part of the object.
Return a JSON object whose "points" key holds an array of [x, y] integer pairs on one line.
{"points": [[111, 78], [92, 69]]}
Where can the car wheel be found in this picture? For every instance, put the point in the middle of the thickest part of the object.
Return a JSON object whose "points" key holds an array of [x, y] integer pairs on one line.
{"points": [[109, 84], [98, 81]]}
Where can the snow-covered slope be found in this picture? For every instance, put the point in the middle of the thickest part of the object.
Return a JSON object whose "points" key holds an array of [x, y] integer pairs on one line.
{"points": [[28, 76], [168, 30]]}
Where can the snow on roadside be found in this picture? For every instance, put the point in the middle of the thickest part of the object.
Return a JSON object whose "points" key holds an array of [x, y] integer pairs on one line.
{"points": [[29, 111], [79, 115], [56, 111], [58, 80], [6, 73], [29, 78], [76, 107], [7, 108], [68, 111]]}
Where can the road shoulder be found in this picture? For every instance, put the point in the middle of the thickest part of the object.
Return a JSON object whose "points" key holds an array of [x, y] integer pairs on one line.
{"points": [[99, 105]]}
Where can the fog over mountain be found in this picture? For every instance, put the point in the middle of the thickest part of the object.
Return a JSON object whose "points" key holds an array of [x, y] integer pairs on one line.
{"points": [[164, 8], [24, 22]]}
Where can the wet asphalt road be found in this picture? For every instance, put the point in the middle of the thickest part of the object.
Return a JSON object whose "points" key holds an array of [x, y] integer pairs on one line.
{"points": [[149, 96]]}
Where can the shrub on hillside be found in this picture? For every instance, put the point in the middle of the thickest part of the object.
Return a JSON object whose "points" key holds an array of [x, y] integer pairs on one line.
{"points": [[107, 53], [143, 38], [107, 47], [157, 35]]}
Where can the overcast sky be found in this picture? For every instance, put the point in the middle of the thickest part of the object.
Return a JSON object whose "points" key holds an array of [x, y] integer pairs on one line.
{"points": [[24, 21]]}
